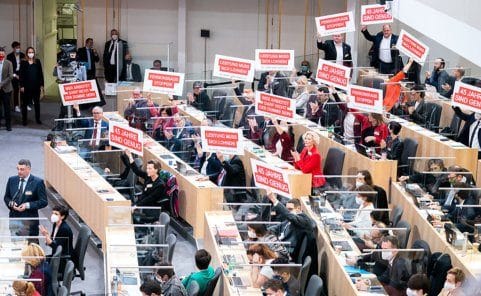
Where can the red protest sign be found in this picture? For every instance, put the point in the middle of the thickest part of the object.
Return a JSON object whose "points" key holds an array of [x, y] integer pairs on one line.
{"points": [[333, 74], [412, 47], [274, 60], [233, 68], [77, 93], [124, 137], [467, 97], [375, 14], [365, 98], [225, 140], [270, 177], [275, 106], [169, 83], [335, 24]]}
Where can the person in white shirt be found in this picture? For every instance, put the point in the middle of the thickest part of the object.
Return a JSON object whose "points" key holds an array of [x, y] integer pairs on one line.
{"points": [[382, 56], [336, 50], [362, 219]]}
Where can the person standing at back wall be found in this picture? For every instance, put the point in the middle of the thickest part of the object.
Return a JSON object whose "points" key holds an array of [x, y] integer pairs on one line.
{"points": [[31, 84], [6, 76]]}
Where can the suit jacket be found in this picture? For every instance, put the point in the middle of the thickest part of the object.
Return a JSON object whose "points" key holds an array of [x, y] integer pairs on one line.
{"points": [[397, 274], [136, 74], [33, 194], [235, 173], [13, 60], [376, 40], [83, 57], [31, 75], [278, 86], [123, 49], [89, 123], [464, 134], [395, 149], [153, 191], [7, 76], [63, 238], [330, 52], [420, 114]]}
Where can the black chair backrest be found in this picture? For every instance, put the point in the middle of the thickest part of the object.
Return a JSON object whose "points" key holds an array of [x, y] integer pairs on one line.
{"points": [[304, 274], [217, 96], [396, 214], [228, 113], [68, 275], [302, 250], [80, 249], [55, 264], [209, 291], [433, 116], [403, 235], [455, 125], [410, 150], [171, 242], [314, 287], [420, 260], [164, 219], [438, 267], [193, 289], [62, 291], [300, 144], [324, 271], [333, 165]]}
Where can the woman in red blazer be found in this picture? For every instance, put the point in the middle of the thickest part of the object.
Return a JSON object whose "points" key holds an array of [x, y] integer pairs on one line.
{"points": [[310, 161], [373, 129]]}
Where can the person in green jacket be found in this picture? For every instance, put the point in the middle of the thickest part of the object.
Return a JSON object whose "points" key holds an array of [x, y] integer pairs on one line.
{"points": [[205, 273]]}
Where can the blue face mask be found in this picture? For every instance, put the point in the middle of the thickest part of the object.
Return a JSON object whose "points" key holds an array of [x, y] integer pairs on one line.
{"points": [[304, 68]]}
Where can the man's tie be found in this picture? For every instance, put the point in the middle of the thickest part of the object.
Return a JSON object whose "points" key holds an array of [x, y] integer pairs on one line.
{"points": [[88, 59], [113, 52], [94, 135], [19, 192], [473, 134], [220, 178]]}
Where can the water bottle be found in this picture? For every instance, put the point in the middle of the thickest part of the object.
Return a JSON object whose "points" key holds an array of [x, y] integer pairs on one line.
{"points": [[330, 132], [114, 285], [465, 244]]}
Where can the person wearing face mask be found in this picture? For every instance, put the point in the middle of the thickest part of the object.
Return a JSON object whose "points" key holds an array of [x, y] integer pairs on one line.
{"points": [[380, 201], [395, 277], [130, 70], [232, 175], [16, 57], [6, 88], [31, 84], [61, 234], [463, 217], [453, 284], [305, 69], [470, 134], [168, 280], [113, 57], [286, 275], [362, 218], [260, 254], [418, 285], [258, 232]]}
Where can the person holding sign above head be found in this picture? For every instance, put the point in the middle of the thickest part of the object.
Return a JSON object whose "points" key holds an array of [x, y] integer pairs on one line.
{"points": [[198, 98], [96, 129], [322, 110], [335, 50], [137, 111], [470, 135], [393, 88], [282, 140], [373, 129], [309, 161], [273, 82], [383, 57]]}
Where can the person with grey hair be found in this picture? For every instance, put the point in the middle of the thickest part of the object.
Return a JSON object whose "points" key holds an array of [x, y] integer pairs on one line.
{"points": [[383, 56], [95, 129], [6, 88], [24, 196]]}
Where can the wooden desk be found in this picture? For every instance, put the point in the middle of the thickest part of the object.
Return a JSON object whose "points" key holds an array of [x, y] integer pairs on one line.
{"points": [[124, 92], [220, 220], [11, 269], [195, 197], [299, 183], [381, 170], [79, 185], [430, 145], [422, 229], [338, 281]]}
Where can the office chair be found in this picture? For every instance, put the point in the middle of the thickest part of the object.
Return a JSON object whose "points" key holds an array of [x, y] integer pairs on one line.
{"points": [[54, 265], [452, 130], [395, 216], [304, 274], [433, 112], [403, 235], [68, 275], [209, 291], [62, 291], [171, 242], [314, 287], [333, 164], [79, 251], [410, 149], [193, 289]]}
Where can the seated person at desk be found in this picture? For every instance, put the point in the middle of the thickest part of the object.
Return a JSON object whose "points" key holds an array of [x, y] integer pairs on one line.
{"points": [[300, 94], [373, 129], [154, 187], [182, 137], [454, 175], [428, 180], [470, 135], [275, 287], [259, 233], [61, 234], [295, 224], [130, 71], [210, 167], [263, 134], [322, 110], [393, 145], [198, 98], [171, 285], [250, 122], [164, 121], [364, 178], [453, 284], [373, 239], [96, 128], [205, 273], [362, 219], [282, 141], [23, 288], [150, 288], [285, 274], [260, 254], [232, 175], [156, 65], [418, 112], [395, 277], [38, 268], [309, 161], [463, 217], [418, 285], [139, 110]]}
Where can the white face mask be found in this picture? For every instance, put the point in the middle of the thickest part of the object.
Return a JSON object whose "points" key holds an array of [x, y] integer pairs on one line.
{"points": [[477, 116], [31, 55], [359, 200], [17, 50], [115, 37], [54, 218], [386, 255], [410, 292], [359, 183], [251, 234], [449, 286]]}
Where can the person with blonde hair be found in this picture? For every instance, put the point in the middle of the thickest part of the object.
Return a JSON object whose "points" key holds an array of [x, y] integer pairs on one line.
{"points": [[38, 268], [309, 161], [24, 288]]}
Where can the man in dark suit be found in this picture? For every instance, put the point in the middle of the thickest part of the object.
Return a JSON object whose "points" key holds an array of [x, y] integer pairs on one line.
{"points": [[15, 57], [96, 130], [232, 175], [335, 50], [463, 217], [383, 57], [395, 277], [322, 110], [24, 196], [89, 56], [470, 135], [273, 82], [130, 71], [418, 112], [113, 58], [6, 76]]}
